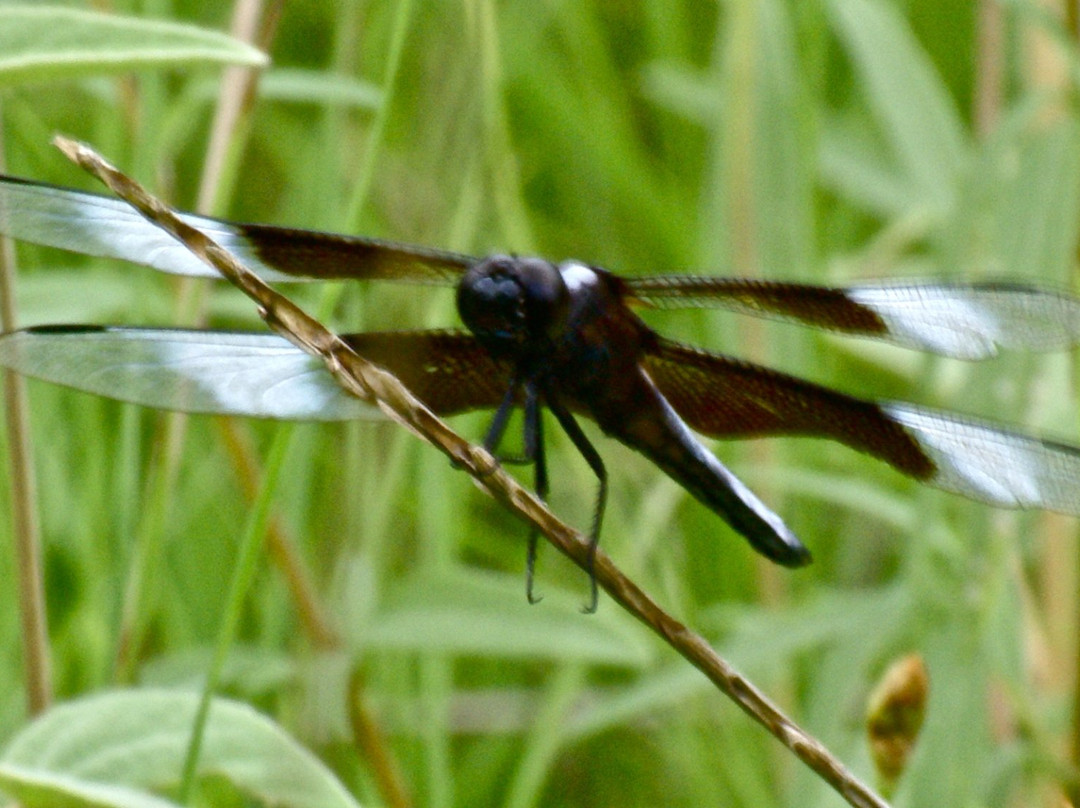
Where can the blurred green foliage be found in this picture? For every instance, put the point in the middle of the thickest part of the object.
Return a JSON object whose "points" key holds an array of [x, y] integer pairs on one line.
{"points": [[823, 140]]}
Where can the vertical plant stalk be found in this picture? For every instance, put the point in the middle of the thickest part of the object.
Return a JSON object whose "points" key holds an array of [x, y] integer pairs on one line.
{"points": [[989, 66], [26, 529], [369, 737], [380, 388], [233, 111]]}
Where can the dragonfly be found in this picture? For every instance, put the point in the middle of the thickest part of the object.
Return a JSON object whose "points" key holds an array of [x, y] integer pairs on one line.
{"points": [[563, 337]]}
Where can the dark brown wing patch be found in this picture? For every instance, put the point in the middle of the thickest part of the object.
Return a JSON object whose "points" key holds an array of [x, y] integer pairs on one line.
{"points": [[825, 307], [729, 398], [447, 370], [312, 254]]}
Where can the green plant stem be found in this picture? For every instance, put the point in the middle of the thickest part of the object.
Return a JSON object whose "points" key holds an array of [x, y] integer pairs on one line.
{"points": [[546, 737], [24, 520], [247, 564], [366, 173]]}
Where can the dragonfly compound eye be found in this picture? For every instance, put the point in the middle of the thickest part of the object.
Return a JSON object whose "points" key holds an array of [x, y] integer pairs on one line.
{"points": [[505, 301]]}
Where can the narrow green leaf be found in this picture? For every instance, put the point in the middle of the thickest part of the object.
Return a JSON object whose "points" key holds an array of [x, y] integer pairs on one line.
{"points": [[856, 166], [914, 112], [44, 43], [1038, 221], [318, 87], [477, 613], [785, 151]]}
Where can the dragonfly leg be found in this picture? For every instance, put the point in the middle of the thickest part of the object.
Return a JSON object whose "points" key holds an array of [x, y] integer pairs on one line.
{"points": [[533, 453], [592, 457], [534, 450], [497, 429]]}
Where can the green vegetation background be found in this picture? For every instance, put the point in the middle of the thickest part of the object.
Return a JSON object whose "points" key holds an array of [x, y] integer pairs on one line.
{"points": [[818, 140]]}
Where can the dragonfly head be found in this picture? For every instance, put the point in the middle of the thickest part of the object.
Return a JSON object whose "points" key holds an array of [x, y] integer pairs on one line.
{"points": [[514, 306]]}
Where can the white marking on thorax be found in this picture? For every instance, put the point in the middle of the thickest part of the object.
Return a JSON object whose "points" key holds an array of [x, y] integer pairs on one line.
{"points": [[577, 276]]}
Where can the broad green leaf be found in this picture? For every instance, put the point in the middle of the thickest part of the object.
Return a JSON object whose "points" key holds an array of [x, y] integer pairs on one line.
{"points": [[137, 739], [33, 787], [45, 43]]}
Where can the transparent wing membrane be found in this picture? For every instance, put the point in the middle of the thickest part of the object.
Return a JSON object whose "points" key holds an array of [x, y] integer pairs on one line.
{"points": [[226, 373], [992, 464]]}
